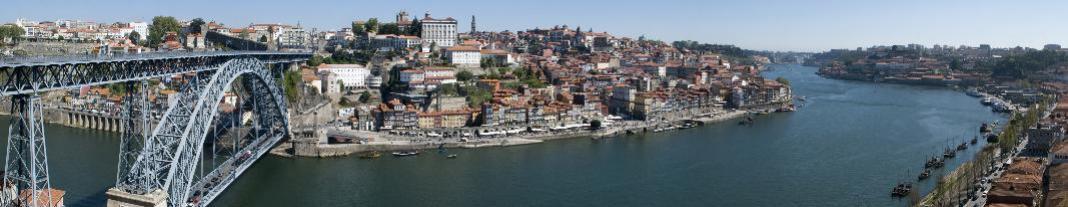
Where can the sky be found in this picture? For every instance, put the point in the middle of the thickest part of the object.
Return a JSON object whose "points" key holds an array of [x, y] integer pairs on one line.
{"points": [[784, 25]]}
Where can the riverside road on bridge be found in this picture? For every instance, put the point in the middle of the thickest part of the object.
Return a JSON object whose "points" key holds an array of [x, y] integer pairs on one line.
{"points": [[158, 165]]}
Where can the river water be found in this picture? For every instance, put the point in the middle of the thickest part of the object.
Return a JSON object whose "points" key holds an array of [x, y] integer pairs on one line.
{"points": [[846, 147]]}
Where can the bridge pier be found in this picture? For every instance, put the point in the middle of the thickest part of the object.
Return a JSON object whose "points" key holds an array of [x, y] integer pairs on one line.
{"points": [[119, 198]]}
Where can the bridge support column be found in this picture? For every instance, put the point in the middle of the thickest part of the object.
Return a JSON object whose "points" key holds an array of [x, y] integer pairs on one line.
{"points": [[119, 198], [26, 164]]}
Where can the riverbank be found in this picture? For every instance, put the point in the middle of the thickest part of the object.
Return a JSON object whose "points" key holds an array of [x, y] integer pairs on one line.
{"points": [[849, 142], [962, 181], [316, 148]]}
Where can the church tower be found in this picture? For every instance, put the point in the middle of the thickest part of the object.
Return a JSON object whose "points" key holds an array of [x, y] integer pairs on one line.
{"points": [[473, 24]]}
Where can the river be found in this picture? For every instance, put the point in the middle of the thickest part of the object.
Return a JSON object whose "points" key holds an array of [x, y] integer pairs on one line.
{"points": [[846, 147]]}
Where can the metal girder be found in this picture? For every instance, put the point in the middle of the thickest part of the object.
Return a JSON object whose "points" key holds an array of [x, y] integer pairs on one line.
{"points": [[26, 166], [170, 156], [147, 161], [135, 127], [25, 76]]}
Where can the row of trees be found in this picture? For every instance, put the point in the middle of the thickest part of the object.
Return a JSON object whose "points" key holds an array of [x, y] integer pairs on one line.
{"points": [[373, 26], [340, 58], [11, 33], [1019, 66], [728, 50], [161, 25]]}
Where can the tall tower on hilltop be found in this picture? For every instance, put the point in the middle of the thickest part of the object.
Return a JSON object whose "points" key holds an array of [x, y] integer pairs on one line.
{"points": [[473, 24], [402, 16]]}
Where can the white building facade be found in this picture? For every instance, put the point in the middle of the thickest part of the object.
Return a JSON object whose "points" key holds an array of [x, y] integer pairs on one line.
{"points": [[464, 56], [439, 31], [141, 28], [350, 75]]}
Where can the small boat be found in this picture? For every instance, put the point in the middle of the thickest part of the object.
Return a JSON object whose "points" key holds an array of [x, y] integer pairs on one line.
{"points": [[973, 92], [748, 121], [901, 190], [962, 146], [405, 154], [924, 175], [931, 162], [371, 155], [949, 153], [975, 140], [451, 156]]}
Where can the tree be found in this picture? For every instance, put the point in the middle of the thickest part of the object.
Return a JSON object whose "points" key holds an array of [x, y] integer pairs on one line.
{"points": [[263, 38], [194, 26], [390, 28], [117, 89], [161, 25], [955, 64], [244, 34], [782, 80], [315, 60], [371, 25], [365, 96], [464, 75], [358, 28], [291, 80], [11, 32], [450, 89], [595, 124], [416, 28], [504, 70], [134, 37], [488, 63]]}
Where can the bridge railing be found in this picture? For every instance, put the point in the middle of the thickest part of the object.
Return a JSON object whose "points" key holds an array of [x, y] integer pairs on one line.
{"points": [[39, 60]]}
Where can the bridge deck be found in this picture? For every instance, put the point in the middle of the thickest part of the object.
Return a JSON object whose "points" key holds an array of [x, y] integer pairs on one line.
{"points": [[37, 74]]}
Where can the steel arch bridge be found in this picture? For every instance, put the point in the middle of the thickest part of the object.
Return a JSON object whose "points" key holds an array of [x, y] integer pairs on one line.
{"points": [[157, 165]]}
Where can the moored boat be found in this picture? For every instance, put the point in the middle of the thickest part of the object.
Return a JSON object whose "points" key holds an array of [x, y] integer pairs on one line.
{"points": [[405, 154], [925, 174], [371, 155], [901, 190]]}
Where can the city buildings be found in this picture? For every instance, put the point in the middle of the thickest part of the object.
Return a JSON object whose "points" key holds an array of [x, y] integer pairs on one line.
{"points": [[464, 56], [439, 32], [350, 76]]}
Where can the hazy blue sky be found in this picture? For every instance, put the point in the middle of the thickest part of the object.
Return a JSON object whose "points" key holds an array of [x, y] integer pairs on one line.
{"points": [[760, 24]]}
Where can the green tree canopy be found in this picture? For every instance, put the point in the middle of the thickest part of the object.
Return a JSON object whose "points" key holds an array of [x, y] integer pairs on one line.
{"points": [[371, 25], [365, 97], [416, 28], [1020, 66], [357, 28], [290, 84], [782, 80], [315, 60], [134, 37], [11, 31], [194, 26], [161, 25], [390, 28], [464, 76]]}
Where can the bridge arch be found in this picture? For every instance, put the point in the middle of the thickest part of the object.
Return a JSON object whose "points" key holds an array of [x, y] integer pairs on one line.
{"points": [[172, 152]]}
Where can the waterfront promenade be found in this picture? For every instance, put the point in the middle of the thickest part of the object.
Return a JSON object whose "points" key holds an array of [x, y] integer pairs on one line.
{"points": [[380, 141]]}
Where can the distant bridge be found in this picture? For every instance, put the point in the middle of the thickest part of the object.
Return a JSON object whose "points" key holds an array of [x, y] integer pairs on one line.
{"points": [[171, 163]]}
